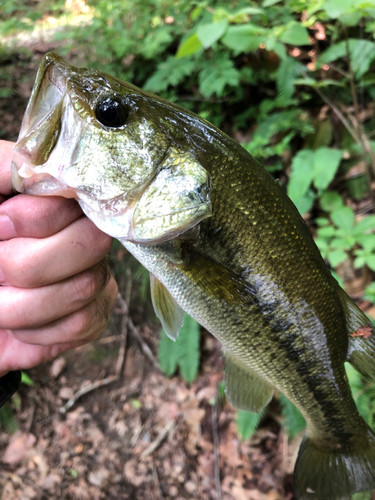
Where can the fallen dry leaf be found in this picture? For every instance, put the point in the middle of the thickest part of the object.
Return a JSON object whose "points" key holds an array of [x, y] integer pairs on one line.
{"points": [[18, 448]]}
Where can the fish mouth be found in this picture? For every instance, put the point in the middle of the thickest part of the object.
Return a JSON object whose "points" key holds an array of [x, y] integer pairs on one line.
{"points": [[40, 129]]}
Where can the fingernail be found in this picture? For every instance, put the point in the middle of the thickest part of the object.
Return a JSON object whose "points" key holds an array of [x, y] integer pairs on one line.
{"points": [[7, 230]]}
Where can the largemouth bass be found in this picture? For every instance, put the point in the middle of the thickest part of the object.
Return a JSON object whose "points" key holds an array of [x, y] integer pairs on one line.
{"points": [[222, 242]]}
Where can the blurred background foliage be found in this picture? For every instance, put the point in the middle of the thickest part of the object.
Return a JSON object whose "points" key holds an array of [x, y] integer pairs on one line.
{"points": [[292, 80]]}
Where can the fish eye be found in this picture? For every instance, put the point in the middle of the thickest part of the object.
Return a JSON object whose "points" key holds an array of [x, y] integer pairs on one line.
{"points": [[111, 112]]}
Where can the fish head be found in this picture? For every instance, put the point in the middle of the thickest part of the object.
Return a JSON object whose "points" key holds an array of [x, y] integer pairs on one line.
{"points": [[89, 136]]}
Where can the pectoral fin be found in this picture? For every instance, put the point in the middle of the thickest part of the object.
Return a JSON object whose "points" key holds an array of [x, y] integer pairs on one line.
{"points": [[244, 389], [166, 308]]}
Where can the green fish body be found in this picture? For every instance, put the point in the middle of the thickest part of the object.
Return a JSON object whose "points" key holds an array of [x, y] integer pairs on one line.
{"points": [[222, 242]]}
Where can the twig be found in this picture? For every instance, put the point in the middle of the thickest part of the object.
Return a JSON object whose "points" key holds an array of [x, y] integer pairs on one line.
{"points": [[157, 482], [216, 448], [135, 333], [159, 438], [145, 349], [108, 380]]}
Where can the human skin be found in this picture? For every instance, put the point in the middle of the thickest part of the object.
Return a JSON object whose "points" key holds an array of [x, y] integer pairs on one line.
{"points": [[56, 288]]}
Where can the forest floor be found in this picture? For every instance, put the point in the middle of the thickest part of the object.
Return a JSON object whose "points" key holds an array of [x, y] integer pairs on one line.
{"points": [[144, 436]]}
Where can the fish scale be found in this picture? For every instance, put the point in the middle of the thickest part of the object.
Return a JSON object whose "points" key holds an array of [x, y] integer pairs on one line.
{"points": [[230, 249]]}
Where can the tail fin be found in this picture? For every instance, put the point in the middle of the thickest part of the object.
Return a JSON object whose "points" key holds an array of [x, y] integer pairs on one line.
{"points": [[327, 475]]}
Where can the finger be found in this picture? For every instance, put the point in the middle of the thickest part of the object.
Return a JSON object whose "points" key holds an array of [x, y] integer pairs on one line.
{"points": [[87, 323], [6, 155], [18, 305], [29, 355], [30, 263], [36, 217]]}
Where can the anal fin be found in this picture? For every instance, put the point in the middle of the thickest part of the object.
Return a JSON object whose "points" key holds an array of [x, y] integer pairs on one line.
{"points": [[245, 389], [166, 308]]}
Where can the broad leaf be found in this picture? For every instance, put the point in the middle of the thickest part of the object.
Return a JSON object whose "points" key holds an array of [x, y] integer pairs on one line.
{"points": [[295, 34], [336, 8], [366, 224], [362, 53], [247, 423], [210, 33], [330, 201], [244, 38], [183, 353], [293, 422], [188, 348], [190, 46], [326, 163], [301, 174], [344, 219], [167, 354], [288, 70]]}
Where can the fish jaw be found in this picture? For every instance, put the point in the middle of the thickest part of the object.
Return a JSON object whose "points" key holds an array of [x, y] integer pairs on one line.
{"points": [[33, 170]]}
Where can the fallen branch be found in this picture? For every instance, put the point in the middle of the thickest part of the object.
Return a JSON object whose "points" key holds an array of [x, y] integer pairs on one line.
{"points": [[108, 380], [160, 437]]}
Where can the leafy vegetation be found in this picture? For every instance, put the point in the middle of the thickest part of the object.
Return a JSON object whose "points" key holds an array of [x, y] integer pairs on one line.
{"points": [[292, 80], [182, 353]]}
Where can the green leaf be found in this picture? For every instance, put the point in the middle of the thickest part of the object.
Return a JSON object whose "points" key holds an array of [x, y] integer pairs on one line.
{"points": [[336, 8], [305, 81], [210, 33], [190, 46], [183, 353], [167, 354], [326, 232], [295, 34], [25, 379], [188, 348], [362, 495], [217, 74], [288, 70], [305, 203], [362, 53], [370, 261], [169, 73], [326, 163], [269, 3], [344, 219], [301, 174], [7, 419], [351, 19], [247, 422], [322, 221], [244, 38], [366, 224], [293, 422], [331, 201], [336, 257]]}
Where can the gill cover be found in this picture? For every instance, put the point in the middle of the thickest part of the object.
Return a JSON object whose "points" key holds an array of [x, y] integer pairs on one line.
{"points": [[177, 199]]}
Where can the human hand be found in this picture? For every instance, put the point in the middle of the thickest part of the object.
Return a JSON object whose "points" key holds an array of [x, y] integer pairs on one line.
{"points": [[56, 288]]}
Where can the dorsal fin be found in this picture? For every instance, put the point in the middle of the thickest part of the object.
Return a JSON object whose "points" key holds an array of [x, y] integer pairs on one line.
{"points": [[245, 389]]}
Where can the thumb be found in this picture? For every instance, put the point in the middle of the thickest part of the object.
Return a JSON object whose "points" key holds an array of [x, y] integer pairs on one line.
{"points": [[6, 155]]}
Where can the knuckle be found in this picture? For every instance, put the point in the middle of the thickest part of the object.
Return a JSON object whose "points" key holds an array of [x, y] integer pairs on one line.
{"points": [[102, 242], [87, 286], [83, 322], [22, 270], [92, 281]]}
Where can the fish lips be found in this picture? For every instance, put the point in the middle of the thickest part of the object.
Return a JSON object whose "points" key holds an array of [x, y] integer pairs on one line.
{"points": [[40, 130]]}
